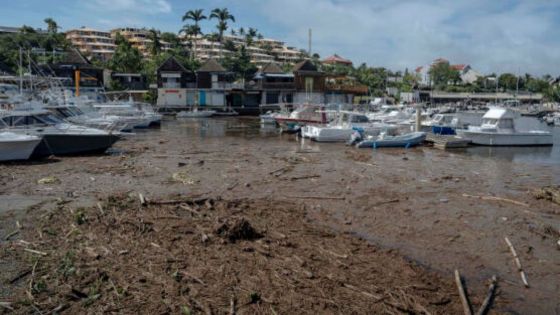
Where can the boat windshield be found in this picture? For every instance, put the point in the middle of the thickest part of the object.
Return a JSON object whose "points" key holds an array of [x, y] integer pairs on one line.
{"points": [[48, 119], [359, 119]]}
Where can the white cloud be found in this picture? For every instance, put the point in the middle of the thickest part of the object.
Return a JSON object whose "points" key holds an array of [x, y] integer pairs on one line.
{"points": [[128, 6], [492, 36]]}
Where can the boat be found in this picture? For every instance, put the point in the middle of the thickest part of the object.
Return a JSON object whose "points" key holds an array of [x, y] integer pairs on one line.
{"points": [[344, 125], [268, 118], [196, 113], [15, 146], [442, 124], [303, 114], [405, 140], [229, 112], [499, 129], [58, 137]]}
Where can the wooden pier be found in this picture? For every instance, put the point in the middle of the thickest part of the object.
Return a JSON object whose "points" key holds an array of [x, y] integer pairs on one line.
{"points": [[444, 142]]}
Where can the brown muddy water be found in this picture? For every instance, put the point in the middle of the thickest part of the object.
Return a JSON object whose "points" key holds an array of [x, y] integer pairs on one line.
{"points": [[418, 201]]}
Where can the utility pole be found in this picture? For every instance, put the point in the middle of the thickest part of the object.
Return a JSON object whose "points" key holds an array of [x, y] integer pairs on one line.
{"points": [[310, 37]]}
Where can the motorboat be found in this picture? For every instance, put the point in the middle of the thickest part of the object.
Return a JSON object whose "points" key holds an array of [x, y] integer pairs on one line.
{"points": [[383, 140], [344, 125], [142, 113], [196, 113], [390, 114], [58, 136], [93, 119], [14, 146], [303, 114], [229, 112], [442, 124], [499, 129]]}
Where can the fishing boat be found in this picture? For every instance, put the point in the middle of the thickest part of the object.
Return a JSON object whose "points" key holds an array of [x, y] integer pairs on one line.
{"points": [[406, 140], [196, 113], [499, 129], [58, 137], [268, 118], [344, 125], [15, 146]]}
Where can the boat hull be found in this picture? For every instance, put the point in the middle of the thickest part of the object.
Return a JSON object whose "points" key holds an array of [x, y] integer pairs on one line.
{"points": [[443, 130], [73, 144], [403, 142], [507, 139], [17, 150]]}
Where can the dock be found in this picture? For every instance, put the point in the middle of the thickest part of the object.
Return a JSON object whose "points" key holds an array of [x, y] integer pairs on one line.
{"points": [[444, 142]]}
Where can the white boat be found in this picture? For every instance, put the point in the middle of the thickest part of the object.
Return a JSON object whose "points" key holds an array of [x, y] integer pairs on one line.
{"points": [[498, 129], [268, 118], [58, 137], [195, 113], [344, 126], [15, 146], [406, 140]]}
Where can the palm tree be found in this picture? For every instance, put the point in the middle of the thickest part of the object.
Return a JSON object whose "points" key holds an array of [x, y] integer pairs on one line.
{"points": [[194, 30], [52, 26], [223, 16], [25, 29], [250, 36], [155, 45], [241, 31], [233, 32]]}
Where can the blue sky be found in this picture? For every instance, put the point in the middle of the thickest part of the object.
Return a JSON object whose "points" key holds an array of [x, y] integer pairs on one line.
{"points": [[493, 36]]}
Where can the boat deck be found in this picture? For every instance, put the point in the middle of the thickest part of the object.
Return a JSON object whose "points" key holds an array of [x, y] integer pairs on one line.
{"points": [[445, 142]]}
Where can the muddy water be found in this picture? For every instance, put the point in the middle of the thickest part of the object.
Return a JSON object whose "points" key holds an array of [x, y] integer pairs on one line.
{"points": [[410, 200]]}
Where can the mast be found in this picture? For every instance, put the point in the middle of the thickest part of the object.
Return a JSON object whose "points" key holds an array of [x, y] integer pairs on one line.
{"points": [[20, 72]]}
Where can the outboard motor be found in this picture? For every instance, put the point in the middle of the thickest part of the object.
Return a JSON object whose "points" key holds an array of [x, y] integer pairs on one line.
{"points": [[355, 137]]}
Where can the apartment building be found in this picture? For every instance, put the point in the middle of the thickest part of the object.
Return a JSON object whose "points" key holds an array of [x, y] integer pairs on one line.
{"points": [[138, 38], [91, 42]]}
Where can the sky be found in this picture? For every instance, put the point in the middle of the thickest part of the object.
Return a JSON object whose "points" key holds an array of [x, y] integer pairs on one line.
{"points": [[518, 36]]}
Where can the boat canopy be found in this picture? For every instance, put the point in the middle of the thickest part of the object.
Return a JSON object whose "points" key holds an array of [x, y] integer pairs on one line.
{"points": [[500, 113]]}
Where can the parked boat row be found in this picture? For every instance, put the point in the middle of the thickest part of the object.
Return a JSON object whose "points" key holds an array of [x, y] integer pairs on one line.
{"points": [[391, 126]]}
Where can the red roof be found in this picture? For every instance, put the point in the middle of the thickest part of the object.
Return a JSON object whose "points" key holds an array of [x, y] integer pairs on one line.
{"points": [[440, 60], [460, 67], [336, 59], [419, 69]]}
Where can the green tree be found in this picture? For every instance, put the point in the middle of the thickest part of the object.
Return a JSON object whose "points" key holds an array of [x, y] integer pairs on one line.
{"points": [[126, 58], [192, 31], [250, 36], [441, 74], [507, 81], [24, 29], [155, 42], [223, 16], [229, 45], [240, 63], [52, 26], [171, 38]]}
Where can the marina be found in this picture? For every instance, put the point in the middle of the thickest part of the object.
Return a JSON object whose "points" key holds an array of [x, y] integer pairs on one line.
{"points": [[187, 163]]}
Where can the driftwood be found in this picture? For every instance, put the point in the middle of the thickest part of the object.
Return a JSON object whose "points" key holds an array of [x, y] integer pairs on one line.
{"points": [[494, 198], [466, 305], [10, 235], [6, 305], [316, 197], [175, 202], [35, 251], [385, 202], [485, 305], [517, 263]]}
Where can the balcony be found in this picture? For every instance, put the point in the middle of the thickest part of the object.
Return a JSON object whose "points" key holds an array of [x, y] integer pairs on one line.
{"points": [[226, 86], [278, 85]]}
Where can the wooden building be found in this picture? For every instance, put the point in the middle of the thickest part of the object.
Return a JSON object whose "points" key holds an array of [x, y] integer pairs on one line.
{"points": [[309, 83], [176, 85]]}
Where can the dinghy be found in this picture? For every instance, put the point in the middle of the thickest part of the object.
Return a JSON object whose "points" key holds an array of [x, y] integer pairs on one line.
{"points": [[406, 141]]}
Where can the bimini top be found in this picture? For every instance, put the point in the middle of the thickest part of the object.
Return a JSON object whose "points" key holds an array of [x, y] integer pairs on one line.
{"points": [[500, 113]]}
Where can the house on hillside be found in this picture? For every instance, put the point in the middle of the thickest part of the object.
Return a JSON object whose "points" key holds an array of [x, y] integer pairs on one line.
{"points": [[342, 89], [337, 60], [309, 83], [176, 85], [467, 74]]}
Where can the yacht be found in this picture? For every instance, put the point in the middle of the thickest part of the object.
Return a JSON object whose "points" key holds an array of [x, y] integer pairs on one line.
{"points": [[499, 129], [442, 124], [302, 115], [58, 137], [343, 127], [15, 146]]}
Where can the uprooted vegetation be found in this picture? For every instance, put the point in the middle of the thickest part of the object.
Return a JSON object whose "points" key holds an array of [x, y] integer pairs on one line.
{"points": [[208, 256]]}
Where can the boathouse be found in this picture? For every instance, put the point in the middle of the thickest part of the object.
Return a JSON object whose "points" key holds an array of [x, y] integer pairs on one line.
{"points": [[176, 85], [309, 83], [215, 84], [276, 85]]}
